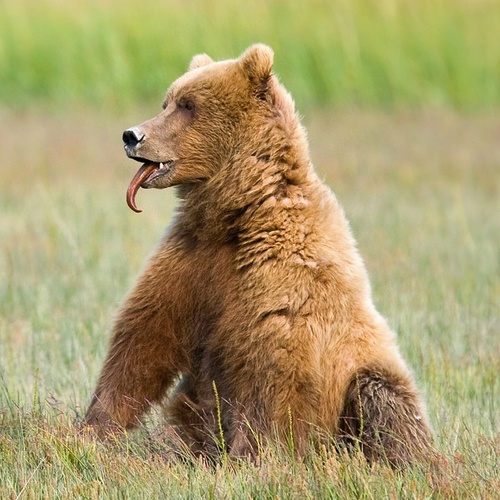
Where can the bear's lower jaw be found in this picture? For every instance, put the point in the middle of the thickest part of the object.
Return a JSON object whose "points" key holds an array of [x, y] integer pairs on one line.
{"points": [[158, 170], [145, 176]]}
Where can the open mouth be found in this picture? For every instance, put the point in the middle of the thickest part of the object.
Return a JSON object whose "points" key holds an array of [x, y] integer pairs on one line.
{"points": [[148, 172]]}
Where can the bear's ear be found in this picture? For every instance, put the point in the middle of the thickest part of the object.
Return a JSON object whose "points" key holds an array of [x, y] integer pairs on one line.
{"points": [[199, 61], [257, 62]]}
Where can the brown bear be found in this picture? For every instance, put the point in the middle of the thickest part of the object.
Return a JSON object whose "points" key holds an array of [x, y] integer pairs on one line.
{"points": [[253, 320]]}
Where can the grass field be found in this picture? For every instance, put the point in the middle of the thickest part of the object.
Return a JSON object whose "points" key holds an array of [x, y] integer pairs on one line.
{"points": [[422, 192], [390, 53]]}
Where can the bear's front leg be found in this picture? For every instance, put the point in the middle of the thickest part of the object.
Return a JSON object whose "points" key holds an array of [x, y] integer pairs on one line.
{"points": [[144, 357]]}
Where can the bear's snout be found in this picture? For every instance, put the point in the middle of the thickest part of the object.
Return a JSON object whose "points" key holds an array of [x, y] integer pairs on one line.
{"points": [[132, 137]]}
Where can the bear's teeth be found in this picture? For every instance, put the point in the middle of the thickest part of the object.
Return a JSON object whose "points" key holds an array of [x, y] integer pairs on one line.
{"points": [[162, 166]]}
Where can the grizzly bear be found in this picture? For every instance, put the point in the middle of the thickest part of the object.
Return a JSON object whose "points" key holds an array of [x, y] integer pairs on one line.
{"points": [[253, 320]]}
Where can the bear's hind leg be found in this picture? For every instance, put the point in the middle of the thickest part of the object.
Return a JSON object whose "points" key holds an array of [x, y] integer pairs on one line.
{"points": [[383, 415]]}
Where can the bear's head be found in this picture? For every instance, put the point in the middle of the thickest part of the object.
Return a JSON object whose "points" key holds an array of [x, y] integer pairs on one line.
{"points": [[211, 116]]}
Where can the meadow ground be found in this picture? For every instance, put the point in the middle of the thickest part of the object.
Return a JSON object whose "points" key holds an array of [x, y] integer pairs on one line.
{"points": [[422, 191]]}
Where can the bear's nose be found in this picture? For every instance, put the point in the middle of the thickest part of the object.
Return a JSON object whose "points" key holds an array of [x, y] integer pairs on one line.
{"points": [[133, 136]]}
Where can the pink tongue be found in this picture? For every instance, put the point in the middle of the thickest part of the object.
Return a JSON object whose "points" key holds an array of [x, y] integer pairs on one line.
{"points": [[142, 174]]}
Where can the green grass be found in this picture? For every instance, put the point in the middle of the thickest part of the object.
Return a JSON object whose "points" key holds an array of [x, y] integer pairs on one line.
{"points": [[422, 193], [391, 53]]}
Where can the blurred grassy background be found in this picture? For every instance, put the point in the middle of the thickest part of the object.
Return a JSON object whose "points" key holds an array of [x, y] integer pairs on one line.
{"points": [[386, 53]]}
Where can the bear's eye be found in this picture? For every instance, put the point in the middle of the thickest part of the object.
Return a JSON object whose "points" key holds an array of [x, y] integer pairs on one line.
{"points": [[186, 104]]}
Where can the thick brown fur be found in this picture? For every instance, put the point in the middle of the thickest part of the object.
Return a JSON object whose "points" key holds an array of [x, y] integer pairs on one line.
{"points": [[256, 302]]}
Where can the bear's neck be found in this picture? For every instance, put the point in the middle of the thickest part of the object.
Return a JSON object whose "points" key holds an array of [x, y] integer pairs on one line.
{"points": [[248, 192]]}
